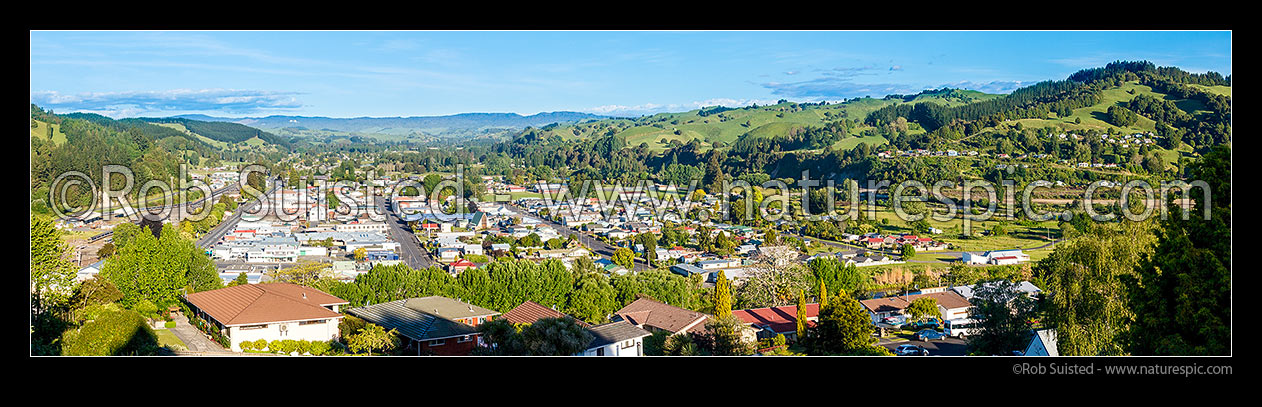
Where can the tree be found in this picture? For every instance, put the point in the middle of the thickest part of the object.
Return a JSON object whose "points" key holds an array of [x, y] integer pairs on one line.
{"points": [[241, 279], [923, 307], [52, 272], [1181, 293], [360, 254], [531, 240], [159, 269], [1003, 314], [544, 337], [623, 257], [111, 332], [649, 242], [908, 251], [1089, 311], [723, 337], [722, 295], [843, 328], [823, 293], [801, 316], [106, 250], [304, 272], [372, 338]]}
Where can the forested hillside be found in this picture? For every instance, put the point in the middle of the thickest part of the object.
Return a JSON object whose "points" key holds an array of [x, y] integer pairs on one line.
{"points": [[86, 142], [1185, 113]]}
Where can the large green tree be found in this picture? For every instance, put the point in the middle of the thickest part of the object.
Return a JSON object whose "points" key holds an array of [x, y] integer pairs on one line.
{"points": [[1003, 314], [844, 327], [160, 269], [1181, 293], [1088, 307]]}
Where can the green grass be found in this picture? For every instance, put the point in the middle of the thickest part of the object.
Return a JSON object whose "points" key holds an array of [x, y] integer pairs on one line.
{"points": [[1221, 90], [41, 130], [168, 339]]}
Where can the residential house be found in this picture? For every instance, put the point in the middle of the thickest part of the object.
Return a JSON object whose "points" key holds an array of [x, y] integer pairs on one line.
{"points": [[655, 316], [1042, 343], [430, 325], [274, 311], [772, 321], [951, 305], [618, 338]]}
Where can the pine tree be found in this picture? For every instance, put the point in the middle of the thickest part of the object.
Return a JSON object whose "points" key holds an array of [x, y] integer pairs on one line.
{"points": [[801, 319], [722, 296], [823, 294]]}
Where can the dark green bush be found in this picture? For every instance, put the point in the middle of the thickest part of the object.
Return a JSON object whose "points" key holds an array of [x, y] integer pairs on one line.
{"points": [[111, 333]]}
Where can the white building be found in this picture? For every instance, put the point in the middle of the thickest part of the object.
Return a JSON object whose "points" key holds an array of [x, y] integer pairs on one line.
{"points": [[274, 311]]}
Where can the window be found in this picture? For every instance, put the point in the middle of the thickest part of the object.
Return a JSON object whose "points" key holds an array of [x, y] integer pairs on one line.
{"points": [[437, 342], [321, 321], [600, 351], [249, 327], [464, 339], [628, 344]]}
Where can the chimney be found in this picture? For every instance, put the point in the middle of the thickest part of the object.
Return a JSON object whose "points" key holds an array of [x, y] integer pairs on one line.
{"points": [[304, 296]]}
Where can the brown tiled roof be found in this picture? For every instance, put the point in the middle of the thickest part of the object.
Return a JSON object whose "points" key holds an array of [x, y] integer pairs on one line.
{"points": [[947, 299], [263, 303], [529, 312], [648, 313]]}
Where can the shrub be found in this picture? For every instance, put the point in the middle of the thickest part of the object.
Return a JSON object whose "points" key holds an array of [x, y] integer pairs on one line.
{"points": [[247, 345], [260, 344], [170, 324], [350, 326], [275, 346], [320, 348], [288, 346], [111, 333], [302, 347], [146, 308]]}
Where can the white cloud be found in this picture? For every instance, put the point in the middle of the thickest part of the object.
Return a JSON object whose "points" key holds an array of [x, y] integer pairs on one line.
{"points": [[134, 103]]}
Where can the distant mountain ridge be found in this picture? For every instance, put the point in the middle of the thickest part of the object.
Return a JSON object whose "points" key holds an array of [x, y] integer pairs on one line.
{"points": [[428, 124]]}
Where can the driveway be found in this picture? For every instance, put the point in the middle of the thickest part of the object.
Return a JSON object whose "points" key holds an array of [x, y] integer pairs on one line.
{"points": [[195, 339]]}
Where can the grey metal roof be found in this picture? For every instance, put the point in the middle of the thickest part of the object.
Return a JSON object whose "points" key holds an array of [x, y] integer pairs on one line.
{"points": [[409, 322], [447, 308], [614, 332]]}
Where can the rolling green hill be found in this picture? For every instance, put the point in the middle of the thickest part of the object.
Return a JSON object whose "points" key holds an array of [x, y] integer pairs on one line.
{"points": [[723, 125]]}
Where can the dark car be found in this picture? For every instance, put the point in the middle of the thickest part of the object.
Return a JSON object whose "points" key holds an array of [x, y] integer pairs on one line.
{"points": [[928, 334]]}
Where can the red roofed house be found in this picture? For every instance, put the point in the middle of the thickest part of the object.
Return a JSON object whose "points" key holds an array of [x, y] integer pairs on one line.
{"points": [[772, 321], [460, 265], [272, 311]]}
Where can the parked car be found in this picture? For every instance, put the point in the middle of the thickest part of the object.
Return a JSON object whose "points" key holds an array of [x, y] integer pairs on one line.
{"points": [[911, 350], [915, 326], [928, 334]]}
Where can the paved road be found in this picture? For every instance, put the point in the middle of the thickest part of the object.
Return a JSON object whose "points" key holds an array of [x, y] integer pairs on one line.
{"points": [[410, 250], [227, 224], [603, 249], [195, 340]]}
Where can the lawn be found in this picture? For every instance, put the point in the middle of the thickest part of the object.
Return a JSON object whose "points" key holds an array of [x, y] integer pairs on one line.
{"points": [[41, 130], [169, 340]]}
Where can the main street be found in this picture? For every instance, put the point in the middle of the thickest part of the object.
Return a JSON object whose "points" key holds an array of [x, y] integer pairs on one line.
{"points": [[410, 250], [227, 224]]}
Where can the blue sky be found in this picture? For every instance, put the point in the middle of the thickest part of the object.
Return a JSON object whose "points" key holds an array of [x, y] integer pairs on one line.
{"points": [[382, 74]]}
